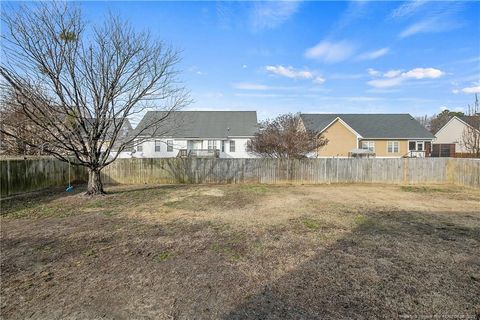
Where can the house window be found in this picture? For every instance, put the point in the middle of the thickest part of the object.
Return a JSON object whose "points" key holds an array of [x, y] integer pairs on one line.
{"points": [[223, 145], [212, 145], [140, 148], [419, 145], [169, 145], [412, 145], [393, 146], [368, 145], [157, 145], [232, 145]]}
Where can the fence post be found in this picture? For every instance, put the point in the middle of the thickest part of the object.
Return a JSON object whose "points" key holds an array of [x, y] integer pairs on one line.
{"points": [[405, 171]]}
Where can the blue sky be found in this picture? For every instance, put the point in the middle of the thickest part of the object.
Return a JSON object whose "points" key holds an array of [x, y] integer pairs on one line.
{"points": [[351, 57]]}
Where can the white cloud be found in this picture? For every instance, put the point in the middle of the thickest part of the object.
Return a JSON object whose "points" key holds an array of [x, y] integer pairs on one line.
{"points": [[196, 70], [373, 54], [271, 14], [394, 78], [457, 109], [455, 91], [429, 16], [407, 8], [331, 52], [355, 10], [346, 76], [289, 72], [419, 27], [422, 73], [292, 73], [385, 83], [250, 86], [392, 73], [471, 90], [319, 80], [373, 72], [469, 60], [438, 23], [244, 66]]}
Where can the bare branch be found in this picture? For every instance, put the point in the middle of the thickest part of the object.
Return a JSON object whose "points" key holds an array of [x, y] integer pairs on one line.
{"points": [[80, 84], [285, 137]]}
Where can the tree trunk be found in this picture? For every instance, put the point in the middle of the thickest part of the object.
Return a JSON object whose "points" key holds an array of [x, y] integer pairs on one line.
{"points": [[95, 185]]}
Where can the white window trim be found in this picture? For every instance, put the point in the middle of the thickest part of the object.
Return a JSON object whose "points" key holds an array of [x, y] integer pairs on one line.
{"points": [[169, 145], [230, 146], [416, 145], [371, 144], [422, 143], [159, 146], [393, 146], [211, 144]]}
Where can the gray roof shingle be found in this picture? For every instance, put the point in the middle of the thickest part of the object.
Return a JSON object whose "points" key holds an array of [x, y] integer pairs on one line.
{"points": [[370, 126], [200, 124]]}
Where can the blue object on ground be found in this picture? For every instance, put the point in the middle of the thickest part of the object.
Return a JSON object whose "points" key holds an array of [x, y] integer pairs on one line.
{"points": [[69, 189]]}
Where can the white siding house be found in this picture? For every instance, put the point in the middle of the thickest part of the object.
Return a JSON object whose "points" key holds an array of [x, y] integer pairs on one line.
{"points": [[222, 134], [451, 133], [449, 139]]}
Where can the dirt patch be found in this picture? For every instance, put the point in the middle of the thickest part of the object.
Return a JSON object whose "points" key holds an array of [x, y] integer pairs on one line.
{"points": [[242, 252]]}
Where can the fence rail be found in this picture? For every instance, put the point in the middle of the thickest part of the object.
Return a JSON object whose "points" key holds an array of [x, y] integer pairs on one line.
{"points": [[28, 175]]}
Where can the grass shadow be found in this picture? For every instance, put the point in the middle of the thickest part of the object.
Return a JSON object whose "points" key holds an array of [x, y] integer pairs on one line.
{"points": [[391, 265]]}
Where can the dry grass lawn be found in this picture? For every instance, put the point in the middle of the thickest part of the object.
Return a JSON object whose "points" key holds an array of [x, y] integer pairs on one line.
{"points": [[243, 252]]}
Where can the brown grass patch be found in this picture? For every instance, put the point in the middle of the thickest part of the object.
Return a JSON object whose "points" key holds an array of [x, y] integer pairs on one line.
{"points": [[242, 251]]}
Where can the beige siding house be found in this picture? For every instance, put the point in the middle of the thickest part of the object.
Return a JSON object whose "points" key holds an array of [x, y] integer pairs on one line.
{"points": [[379, 135]]}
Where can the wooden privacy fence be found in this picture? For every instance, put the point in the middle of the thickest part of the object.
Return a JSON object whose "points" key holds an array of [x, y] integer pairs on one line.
{"points": [[326, 170], [20, 177]]}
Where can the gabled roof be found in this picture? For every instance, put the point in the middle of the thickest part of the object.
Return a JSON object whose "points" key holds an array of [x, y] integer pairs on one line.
{"points": [[371, 126], [473, 121], [199, 124], [126, 126]]}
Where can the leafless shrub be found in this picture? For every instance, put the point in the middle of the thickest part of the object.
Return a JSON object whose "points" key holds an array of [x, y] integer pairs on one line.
{"points": [[285, 137]]}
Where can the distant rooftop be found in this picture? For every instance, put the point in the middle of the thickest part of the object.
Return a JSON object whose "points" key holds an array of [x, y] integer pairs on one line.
{"points": [[370, 126], [199, 124]]}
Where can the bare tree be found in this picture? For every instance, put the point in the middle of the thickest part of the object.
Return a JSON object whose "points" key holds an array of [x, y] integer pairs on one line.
{"points": [[437, 121], [14, 121], [471, 133], [79, 84], [425, 121], [285, 137]]}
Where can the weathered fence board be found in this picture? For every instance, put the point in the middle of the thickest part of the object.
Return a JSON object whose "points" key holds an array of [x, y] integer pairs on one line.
{"points": [[20, 176], [330, 170]]}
